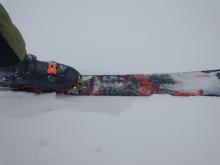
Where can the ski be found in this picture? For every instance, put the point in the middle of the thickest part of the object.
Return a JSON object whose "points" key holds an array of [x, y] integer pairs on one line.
{"points": [[198, 83]]}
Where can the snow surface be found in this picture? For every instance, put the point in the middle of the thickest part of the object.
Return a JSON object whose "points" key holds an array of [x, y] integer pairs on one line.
{"points": [[115, 37], [194, 81]]}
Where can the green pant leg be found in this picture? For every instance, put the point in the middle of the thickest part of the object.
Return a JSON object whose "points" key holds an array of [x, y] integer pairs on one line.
{"points": [[12, 35]]}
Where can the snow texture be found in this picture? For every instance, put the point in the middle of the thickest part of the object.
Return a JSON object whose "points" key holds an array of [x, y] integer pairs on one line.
{"points": [[194, 81], [115, 37]]}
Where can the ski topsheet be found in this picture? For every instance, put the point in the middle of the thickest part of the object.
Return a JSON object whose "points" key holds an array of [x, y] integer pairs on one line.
{"points": [[199, 83]]}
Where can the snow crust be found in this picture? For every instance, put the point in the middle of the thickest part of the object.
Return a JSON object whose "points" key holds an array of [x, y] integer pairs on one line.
{"points": [[115, 37]]}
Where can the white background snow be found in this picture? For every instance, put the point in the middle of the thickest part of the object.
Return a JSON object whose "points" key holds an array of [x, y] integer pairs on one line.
{"points": [[116, 37]]}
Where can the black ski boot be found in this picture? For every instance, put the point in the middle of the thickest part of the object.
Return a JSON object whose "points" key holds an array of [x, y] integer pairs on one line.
{"points": [[38, 76]]}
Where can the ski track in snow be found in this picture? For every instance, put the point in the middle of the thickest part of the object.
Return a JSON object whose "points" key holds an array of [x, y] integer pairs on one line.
{"points": [[21, 104]]}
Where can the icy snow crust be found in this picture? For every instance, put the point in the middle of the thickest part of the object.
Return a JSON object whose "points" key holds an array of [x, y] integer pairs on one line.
{"points": [[115, 37]]}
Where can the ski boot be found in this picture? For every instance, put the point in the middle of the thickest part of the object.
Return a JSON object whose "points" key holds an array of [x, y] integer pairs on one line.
{"points": [[36, 76]]}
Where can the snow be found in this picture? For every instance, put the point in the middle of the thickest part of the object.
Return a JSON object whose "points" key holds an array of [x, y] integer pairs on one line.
{"points": [[115, 37], [193, 82]]}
